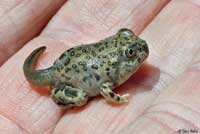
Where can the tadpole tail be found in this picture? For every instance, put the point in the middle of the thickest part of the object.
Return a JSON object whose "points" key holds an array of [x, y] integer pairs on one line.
{"points": [[41, 77]]}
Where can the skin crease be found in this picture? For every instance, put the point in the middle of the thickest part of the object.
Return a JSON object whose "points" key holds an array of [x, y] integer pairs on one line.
{"points": [[21, 20], [164, 92]]}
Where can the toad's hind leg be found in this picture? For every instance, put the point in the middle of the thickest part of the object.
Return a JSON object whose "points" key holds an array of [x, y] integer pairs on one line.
{"points": [[109, 95], [68, 96]]}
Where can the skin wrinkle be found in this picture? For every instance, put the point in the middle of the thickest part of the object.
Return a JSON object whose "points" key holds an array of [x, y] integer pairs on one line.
{"points": [[152, 17], [100, 10], [161, 103], [131, 12], [8, 129], [95, 18], [18, 90], [16, 123], [111, 126], [159, 122], [36, 123], [11, 8], [20, 23], [96, 12], [152, 115], [112, 120], [42, 117]]}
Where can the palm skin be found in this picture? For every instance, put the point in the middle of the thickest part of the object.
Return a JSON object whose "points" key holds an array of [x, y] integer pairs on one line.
{"points": [[164, 92]]}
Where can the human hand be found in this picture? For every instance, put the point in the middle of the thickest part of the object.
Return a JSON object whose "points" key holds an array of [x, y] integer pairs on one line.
{"points": [[164, 92]]}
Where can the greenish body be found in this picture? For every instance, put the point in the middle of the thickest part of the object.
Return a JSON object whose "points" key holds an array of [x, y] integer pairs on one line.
{"points": [[89, 70]]}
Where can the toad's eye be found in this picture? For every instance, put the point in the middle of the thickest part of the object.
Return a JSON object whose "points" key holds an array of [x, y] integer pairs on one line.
{"points": [[130, 52]]}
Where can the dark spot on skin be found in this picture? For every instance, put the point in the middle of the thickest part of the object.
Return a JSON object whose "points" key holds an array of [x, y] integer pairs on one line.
{"points": [[104, 56], [110, 63], [94, 54], [131, 51], [88, 48], [59, 67], [77, 70], [101, 49], [62, 88], [90, 76], [84, 68], [66, 61], [106, 45], [107, 69], [85, 78], [62, 56], [79, 48], [111, 94], [88, 57], [108, 73], [70, 93], [78, 55], [56, 91], [68, 78], [60, 103], [97, 45], [67, 70], [116, 43], [94, 66], [99, 56], [97, 77], [70, 49], [126, 38], [146, 48], [84, 50], [63, 75], [72, 53], [74, 66], [139, 60], [120, 42], [140, 49]]}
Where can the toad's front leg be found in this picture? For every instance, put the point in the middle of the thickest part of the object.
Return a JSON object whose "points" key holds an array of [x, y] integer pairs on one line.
{"points": [[68, 96], [109, 95]]}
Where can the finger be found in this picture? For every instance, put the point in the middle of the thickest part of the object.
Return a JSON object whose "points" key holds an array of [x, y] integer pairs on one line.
{"points": [[176, 108], [98, 19], [21, 20]]}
